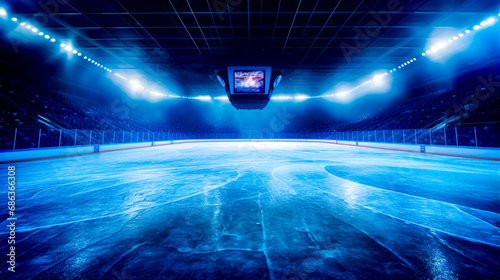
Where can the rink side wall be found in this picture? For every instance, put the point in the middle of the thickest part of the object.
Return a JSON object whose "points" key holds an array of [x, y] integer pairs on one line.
{"points": [[56, 152], [460, 151]]}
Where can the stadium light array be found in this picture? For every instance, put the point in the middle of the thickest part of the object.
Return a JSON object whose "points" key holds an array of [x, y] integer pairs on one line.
{"points": [[300, 97], [434, 49], [46, 35]]}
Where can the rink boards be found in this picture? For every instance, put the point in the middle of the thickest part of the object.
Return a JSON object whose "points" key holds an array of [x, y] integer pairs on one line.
{"points": [[55, 152]]}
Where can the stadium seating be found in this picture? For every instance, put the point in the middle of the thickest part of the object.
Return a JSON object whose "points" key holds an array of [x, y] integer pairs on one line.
{"points": [[25, 107]]}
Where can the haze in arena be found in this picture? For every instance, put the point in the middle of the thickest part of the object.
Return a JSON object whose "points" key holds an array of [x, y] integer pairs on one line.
{"points": [[249, 139]]}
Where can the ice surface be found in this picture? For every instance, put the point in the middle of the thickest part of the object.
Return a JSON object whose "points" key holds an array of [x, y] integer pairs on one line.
{"points": [[256, 211]]}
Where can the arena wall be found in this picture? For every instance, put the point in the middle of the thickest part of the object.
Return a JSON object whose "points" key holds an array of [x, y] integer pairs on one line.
{"points": [[46, 153]]}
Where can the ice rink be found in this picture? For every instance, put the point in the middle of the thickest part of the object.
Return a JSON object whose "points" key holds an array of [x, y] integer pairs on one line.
{"points": [[255, 210]]}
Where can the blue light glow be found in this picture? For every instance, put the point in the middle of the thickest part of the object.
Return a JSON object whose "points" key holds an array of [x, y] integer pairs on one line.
{"points": [[434, 49]]}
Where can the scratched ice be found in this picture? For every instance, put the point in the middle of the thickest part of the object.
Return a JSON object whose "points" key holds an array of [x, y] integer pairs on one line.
{"points": [[256, 211]]}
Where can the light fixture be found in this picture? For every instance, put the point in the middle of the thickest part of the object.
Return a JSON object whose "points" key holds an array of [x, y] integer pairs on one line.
{"points": [[485, 23]]}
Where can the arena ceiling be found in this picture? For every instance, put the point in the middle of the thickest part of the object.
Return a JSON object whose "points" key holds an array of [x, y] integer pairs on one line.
{"points": [[318, 43]]}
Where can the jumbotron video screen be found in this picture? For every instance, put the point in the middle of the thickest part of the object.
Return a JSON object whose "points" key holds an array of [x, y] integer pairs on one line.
{"points": [[249, 81]]}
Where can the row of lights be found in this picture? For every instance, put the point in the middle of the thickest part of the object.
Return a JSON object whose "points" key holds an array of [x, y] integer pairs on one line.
{"points": [[64, 46], [136, 85], [120, 76], [204, 98], [488, 22], [299, 97], [70, 49], [485, 23], [221, 98]]}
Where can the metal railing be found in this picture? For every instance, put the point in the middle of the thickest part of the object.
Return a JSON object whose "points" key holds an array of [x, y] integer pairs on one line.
{"points": [[25, 138], [447, 136]]}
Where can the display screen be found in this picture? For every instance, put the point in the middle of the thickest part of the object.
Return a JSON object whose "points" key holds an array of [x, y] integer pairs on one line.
{"points": [[249, 81]]}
